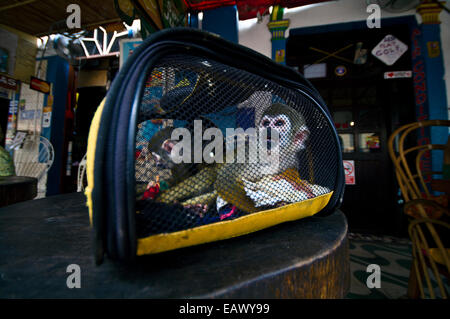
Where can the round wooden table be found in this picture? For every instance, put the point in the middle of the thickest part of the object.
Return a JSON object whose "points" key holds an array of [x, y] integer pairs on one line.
{"points": [[39, 239], [14, 189]]}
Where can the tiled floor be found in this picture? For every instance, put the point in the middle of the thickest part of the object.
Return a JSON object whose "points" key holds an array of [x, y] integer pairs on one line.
{"points": [[393, 255]]}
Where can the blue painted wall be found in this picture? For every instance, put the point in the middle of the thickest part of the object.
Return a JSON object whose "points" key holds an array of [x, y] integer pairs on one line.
{"points": [[279, 44], [437, 98]]}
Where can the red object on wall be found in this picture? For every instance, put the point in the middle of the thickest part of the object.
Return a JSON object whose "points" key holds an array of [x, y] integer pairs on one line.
{"points": [[248, 9]]}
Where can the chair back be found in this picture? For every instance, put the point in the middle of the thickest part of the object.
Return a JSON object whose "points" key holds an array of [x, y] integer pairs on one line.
{"points": [[421, 204]]}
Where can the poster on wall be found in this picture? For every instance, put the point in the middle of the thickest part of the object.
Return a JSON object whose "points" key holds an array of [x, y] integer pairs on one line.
{"points": [[280, 56], [433, 49], [12, 122], [29, 118], [46, 116], [349, 171], [127, 47]]}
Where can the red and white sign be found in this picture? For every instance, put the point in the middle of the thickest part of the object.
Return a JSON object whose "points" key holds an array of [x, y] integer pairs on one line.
{"points": [[39, 85], [349, 170], [397, 74], [389, 50]]}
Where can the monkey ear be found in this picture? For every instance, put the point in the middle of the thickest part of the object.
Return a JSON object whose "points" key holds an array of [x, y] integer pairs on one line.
{"points": [[300, 137]]}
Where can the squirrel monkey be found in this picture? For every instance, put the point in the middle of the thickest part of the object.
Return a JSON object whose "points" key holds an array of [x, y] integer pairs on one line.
{"points": [[293, 133], [228, 179]]}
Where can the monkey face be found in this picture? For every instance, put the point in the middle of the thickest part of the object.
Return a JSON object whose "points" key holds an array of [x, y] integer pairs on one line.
{"points": [[160, 146], [281, 124], [293, 133], [165, 151]]}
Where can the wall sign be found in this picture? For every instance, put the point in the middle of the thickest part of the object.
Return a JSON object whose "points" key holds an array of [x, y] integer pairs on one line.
{"points": [[397, 74], [8, 82], [39, 85], [389, 50], [340, 70], [349, 171]]}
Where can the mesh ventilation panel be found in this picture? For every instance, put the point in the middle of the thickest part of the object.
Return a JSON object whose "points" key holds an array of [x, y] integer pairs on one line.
{"points": [[201, 96]]}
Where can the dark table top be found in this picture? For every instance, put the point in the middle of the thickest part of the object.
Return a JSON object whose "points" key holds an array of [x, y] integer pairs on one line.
{"points": [[14, 189], [11, 180], [39, 239]]}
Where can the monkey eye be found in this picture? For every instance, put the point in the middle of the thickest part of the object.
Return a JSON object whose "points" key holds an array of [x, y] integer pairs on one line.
{"points": [[279, 123], [265, 123]]}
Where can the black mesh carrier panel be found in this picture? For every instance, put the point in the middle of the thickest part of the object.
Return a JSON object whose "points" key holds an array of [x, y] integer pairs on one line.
{"points": [[200, 139]]}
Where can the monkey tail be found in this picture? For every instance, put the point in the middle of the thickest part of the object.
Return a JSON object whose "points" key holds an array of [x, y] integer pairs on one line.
{"points": [[235, 194], [196, 184]]}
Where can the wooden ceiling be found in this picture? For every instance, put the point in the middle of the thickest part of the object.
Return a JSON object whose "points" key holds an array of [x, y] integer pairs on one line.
{"points": [[43, 17]]}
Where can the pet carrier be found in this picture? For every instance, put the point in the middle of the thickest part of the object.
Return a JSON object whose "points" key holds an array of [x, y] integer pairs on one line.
{"points": [[200, 139]]}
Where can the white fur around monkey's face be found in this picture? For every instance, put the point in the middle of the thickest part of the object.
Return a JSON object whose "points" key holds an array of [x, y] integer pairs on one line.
{"points": [[280, 123], [283, 125]]}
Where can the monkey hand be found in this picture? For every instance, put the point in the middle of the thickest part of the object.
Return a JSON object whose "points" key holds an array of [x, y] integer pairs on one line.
{"points": [[260, 193], [260, 198]]}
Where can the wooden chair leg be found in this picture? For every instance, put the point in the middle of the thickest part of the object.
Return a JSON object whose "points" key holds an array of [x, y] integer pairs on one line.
{"points": [[413, 285]]}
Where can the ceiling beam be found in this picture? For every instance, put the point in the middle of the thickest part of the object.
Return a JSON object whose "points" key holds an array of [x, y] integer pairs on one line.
{"points": [[83, 26], [17, 4]]}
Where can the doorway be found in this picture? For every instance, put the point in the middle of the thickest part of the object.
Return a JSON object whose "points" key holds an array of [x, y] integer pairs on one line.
{"points": [[366, 107]]}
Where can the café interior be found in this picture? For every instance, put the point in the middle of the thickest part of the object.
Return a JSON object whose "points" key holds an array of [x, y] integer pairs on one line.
{"points": [[88, 91]]}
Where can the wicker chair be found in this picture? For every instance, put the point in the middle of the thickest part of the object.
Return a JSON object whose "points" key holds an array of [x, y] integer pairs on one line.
{"points": [[428, 258], [425, 210], [34, 159]]}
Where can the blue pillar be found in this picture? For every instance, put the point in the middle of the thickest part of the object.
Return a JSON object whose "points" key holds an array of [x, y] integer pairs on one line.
{"points": [[58, 75], [434, 69], [222, 21]]}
